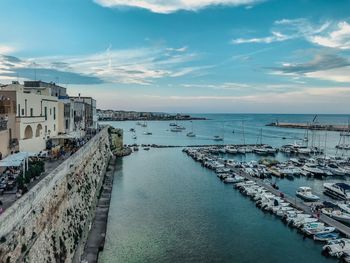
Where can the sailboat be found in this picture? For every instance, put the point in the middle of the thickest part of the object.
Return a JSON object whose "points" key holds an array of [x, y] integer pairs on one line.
{"points": [[191, 133]]}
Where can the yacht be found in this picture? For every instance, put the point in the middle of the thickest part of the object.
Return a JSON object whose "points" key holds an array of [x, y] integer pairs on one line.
{"points": [[305, 193], [337, 190]]}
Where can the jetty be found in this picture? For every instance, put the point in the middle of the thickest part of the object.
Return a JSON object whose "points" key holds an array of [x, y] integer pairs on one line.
{"points": [[311, 126]]}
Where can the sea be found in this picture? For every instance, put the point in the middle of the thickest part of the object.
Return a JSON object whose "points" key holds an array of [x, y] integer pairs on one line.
{"points": [[167, 208]]}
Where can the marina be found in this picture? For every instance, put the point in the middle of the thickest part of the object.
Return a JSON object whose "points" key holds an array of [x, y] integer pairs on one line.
{"points": [[291, 173]]}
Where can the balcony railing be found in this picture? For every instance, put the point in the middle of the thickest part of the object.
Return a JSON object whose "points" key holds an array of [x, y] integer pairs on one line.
{"points": [[3, 125]]}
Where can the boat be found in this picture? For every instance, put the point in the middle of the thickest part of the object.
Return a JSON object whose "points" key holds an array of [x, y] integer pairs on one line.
{"points": [[147, 133], [341, 216], [134, 137], [326, 236], [172, 124], [218, 138], [305, 193], [190, 134], [337, 247], [231, 149], [337, 190], [146, 148]]}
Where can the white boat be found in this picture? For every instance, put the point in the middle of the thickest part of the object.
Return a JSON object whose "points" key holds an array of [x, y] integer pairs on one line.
{"points": [[337, 190], [218, 138], [234, 180], [344, 207], [147, 133], [336, 247], [305, 193], [190, 134], [341, 216], [231, 149]]}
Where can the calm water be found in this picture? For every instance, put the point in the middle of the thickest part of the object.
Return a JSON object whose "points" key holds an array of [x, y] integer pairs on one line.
{"points": [[167, 208]]}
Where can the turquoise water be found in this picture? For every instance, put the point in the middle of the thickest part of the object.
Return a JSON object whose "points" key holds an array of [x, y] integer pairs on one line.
{"points": [[167, 208], [230, 126]]}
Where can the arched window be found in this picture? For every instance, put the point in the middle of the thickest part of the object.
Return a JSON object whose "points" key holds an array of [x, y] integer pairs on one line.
{"points": [[38, 130], [28, 132]]}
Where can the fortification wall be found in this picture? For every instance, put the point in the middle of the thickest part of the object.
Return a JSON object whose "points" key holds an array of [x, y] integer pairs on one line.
{"points": [[47, 224]]}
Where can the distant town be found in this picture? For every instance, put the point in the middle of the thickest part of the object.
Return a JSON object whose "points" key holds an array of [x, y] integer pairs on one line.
{"points": [[118, 115]]}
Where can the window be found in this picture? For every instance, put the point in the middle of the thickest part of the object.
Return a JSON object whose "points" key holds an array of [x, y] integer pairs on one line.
{"points": [[31, 112], [45, 113], [50, 111], [54, 127], [45, 128], [54, 113], [67, 124], [19, 110], [22, 112]]}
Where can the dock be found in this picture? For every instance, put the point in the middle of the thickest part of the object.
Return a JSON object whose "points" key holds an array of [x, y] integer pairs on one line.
{"points": [[342, 228], [97, 235]]}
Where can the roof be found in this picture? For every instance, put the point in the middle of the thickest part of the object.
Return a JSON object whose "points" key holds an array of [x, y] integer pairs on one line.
{"points": [[16, 159]]}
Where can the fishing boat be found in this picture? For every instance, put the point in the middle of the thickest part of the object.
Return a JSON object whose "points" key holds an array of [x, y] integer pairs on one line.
{"points": [[326, 237], [337, 190], [305, 193]]}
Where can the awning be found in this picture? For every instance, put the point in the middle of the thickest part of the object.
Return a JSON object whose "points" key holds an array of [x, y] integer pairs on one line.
{"points": [[16, 159], [72, 135]]}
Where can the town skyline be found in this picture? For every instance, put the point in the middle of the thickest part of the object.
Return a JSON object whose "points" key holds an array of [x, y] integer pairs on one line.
{"points": [[226, 56]]}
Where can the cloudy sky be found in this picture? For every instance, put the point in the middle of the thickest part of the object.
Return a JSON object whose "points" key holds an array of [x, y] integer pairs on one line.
{"points": [[257, 56]]}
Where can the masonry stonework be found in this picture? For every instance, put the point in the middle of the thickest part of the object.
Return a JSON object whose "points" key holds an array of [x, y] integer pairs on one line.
{"points": [[47, 224]]}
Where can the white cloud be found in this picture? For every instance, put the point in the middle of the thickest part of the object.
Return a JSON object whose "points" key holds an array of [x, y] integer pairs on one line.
{"points": [[4, 49], [275, 37], [131, 66], [336, 75], [338, 38], [170, 6]]}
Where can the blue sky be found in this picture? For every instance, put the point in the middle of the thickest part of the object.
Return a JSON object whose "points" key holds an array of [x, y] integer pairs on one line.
{"points": [[265, 56]]}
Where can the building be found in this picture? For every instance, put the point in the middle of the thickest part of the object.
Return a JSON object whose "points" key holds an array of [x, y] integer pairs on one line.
{"points": [[34, 118], [8, 136], [45, 88], [90, 112]]}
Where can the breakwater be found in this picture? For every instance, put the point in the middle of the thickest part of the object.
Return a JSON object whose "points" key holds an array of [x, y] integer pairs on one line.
{"points": [[312, 126], [48, 224]]}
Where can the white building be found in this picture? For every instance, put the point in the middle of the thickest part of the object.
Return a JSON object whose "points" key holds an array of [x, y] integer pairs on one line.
{"points": [[36, 117]]}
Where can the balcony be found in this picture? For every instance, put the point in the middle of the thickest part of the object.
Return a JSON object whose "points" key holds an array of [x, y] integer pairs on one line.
{"points": [[3, 125]]}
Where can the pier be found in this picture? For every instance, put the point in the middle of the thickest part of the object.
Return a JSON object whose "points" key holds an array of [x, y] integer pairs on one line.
{"points": [[313, 126]]}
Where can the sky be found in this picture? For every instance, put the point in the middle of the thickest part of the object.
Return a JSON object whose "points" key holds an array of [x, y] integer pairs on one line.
{"points": [[196, 56]]}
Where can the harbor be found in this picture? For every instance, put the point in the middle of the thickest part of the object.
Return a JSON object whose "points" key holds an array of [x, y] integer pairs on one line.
{"points": [[294, 211]]}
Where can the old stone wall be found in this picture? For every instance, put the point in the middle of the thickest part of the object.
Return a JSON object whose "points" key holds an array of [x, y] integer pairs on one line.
{"points": [[47, 223]]}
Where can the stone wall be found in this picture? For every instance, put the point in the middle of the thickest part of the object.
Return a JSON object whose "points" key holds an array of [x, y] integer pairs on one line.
{"points": [[47, 223]]}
